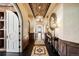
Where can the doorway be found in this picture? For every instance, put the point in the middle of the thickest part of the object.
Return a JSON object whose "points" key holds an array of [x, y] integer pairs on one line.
{"points": [[10, 28], [14, 42]]}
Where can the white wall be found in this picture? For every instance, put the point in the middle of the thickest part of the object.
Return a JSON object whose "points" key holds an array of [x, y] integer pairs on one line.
{"points": [[59, 29], [71, 22], [68, 22]]}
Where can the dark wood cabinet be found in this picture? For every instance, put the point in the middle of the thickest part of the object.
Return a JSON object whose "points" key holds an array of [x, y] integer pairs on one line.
{"points": [[1, 24], [1, 33], [2, 30], [1, 15], [1, 43]]}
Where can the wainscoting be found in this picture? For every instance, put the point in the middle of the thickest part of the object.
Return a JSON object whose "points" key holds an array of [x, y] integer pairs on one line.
{"points": [[64, 48], [27, 41], [28, 49], [68, 48]]}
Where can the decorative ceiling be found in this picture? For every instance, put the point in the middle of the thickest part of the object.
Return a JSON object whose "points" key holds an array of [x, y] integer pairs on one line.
{"points": [[39, 8]]}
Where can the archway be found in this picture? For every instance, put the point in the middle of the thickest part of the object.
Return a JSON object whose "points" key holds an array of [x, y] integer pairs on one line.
{"points": [[20, 25], [12, 28]]}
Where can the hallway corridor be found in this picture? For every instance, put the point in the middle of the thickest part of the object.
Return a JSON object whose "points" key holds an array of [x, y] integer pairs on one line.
{"points": [[39, 29], [40, 49]]}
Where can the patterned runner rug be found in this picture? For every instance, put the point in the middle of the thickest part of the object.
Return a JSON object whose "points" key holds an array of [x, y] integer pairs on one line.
{"points": [[39, 51]]}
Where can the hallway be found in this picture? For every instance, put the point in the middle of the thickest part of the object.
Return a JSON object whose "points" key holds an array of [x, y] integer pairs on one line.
{"points": [[40, 49], [39, 29]]}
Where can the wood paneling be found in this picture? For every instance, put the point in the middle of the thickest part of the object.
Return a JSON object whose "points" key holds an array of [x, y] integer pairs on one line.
{"points": [[61, 48], [39, 8], [65, 48], [31, 37], [72, 50], [25, 43], [28, 41]]}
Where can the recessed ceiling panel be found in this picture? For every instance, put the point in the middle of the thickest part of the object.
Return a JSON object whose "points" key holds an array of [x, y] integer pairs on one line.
{"points": [[39, 8]]}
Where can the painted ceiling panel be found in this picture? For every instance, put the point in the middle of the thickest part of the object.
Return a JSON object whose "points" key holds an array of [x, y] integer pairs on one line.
{"points": [[39, 8]]}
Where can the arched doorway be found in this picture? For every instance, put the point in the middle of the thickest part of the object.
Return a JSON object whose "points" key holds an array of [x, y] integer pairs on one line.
{"points": [[11, 30], [17, 44], [20, 25]]}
